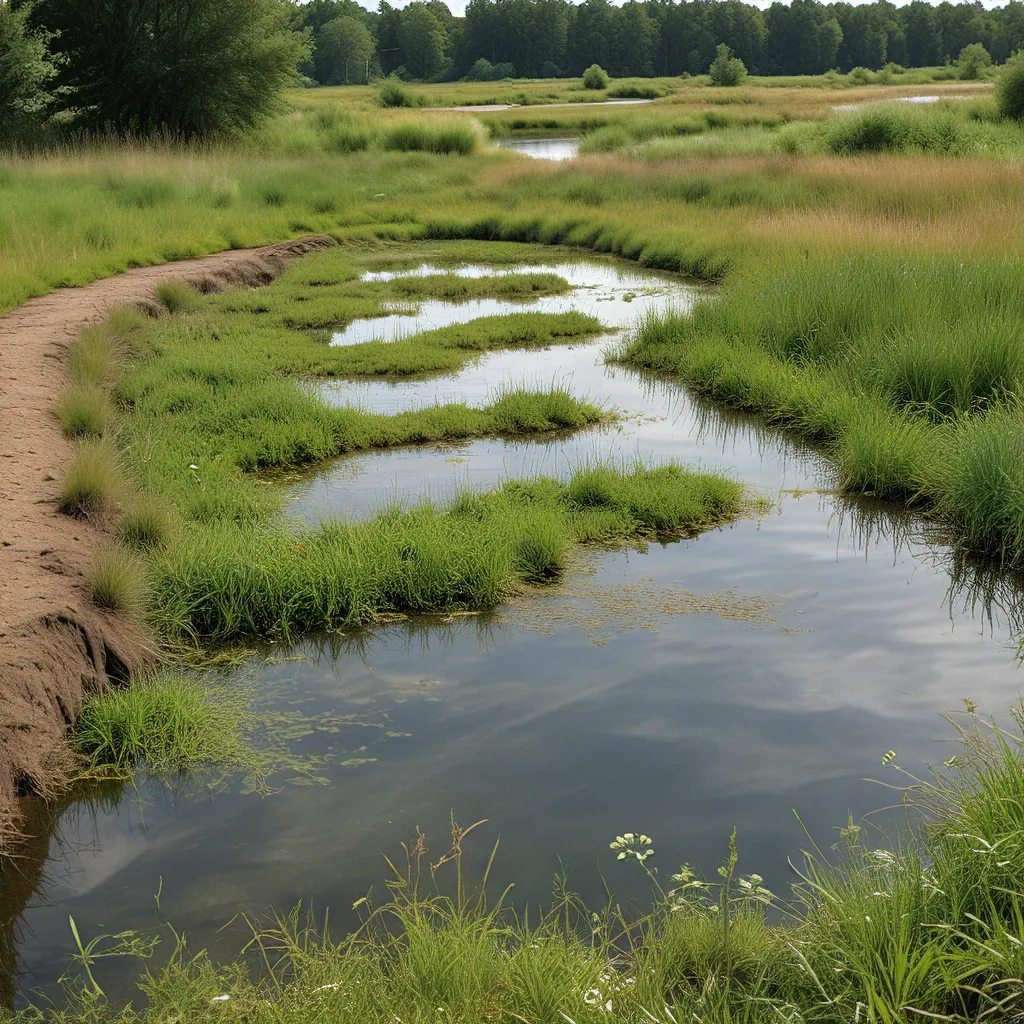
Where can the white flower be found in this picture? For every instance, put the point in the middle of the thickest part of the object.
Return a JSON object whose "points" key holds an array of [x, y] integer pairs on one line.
{"points": [[192, 465], [220, 999]]}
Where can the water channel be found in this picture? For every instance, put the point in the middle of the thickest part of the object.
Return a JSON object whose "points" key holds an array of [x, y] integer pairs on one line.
{"points": [[680, 690]]}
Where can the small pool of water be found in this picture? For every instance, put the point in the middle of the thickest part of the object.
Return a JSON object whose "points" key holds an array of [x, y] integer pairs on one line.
{"points": [[613, 294], [679, 690], [543, 149]]}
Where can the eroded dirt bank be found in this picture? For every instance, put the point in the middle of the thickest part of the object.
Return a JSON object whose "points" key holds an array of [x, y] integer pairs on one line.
{"points": [[55, 645]]}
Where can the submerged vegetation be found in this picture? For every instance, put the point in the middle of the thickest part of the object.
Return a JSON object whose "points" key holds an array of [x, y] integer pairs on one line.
{"points": [[923, 925]]}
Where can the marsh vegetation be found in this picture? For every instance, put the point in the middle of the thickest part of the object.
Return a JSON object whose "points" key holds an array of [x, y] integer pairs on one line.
{"points": [[867, 305]]}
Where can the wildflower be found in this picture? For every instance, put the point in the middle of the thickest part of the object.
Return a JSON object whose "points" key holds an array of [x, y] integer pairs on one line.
{"points": [[192, 465], [220, 999]]}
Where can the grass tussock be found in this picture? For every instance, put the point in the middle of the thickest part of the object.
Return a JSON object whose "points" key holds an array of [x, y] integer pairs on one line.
{"points": [[177, 296], [118, 581], [164, 725], [84, 411], [924, 923], [907, 373], [146, 524], [228, 583], [94, 485]]}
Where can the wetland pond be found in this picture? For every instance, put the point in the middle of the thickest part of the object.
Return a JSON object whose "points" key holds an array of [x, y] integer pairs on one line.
{"points": [[543, 149], [681, 690]]}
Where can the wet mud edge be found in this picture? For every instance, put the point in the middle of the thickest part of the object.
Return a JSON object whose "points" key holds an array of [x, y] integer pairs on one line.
{"points": [[56, 647]]}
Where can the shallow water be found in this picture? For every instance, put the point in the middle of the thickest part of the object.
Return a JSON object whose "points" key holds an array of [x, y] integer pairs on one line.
{"points": [[846, 107], [543, 149], [680, 690]]}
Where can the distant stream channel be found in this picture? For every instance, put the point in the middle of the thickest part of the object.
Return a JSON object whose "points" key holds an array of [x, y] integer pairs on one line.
{"points": [[680, 690]]}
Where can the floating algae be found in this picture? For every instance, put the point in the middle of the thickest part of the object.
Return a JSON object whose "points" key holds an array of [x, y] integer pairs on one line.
{"points": [[600, 610]]}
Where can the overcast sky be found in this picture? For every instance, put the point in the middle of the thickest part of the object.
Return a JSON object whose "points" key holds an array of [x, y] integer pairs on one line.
{"points": [[458, 7]]}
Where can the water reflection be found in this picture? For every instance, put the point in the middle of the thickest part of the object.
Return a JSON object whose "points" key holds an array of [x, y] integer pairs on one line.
{"points": [[543, 149]]}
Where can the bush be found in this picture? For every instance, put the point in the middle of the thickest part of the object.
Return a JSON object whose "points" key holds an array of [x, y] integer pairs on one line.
{"points": [[391, 94], [504, 70], [595, 77], [973, 59], [481, 71], [1010, 87], [725, 68], [24, 73], [230, 61], [860, 76]]}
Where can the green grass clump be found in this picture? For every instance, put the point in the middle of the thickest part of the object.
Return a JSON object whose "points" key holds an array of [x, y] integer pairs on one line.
{"points": [[897, 128], [83, 411], [442, 137], [391, 94], [164, 725], [94, 484], [93, 357], [177, 296], [118, 582], [226, 584], [146, 523]]}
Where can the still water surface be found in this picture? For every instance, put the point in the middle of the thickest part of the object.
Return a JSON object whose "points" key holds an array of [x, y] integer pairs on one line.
{"points": [[679, 690], [543, 149]]}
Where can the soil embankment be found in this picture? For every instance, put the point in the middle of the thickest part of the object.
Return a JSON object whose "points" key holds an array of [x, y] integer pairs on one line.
{"points": [[55, 645]]}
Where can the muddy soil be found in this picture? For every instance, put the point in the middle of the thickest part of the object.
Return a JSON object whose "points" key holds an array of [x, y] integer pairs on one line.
{"points": [[55, 645]]}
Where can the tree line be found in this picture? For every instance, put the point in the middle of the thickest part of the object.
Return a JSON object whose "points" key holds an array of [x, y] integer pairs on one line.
{"points": [[201, 68], [642, 38]]}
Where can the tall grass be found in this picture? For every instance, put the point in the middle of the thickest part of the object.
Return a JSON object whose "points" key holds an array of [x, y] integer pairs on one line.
{"points": [[118, 581], [908, 373], [163, 725], [229, 583], [924, 923]]}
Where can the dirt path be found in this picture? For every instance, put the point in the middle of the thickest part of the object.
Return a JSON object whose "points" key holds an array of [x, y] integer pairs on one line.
{"points": [[55, 646]]}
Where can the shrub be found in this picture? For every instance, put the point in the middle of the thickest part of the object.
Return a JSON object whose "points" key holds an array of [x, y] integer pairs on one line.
{"points": [[636, 91], [504, 70], [860, 76], [230, 60], [24, 74], [725, 68], [391, 94], [973, 59], [481, 71], [117, 581], [1010, 87], [595, 77]]}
